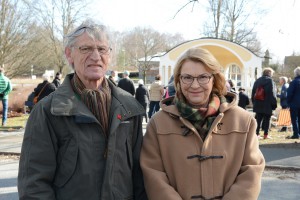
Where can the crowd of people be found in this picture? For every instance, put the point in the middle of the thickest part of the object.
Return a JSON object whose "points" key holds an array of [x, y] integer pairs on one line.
{"points": [[201, 142]]}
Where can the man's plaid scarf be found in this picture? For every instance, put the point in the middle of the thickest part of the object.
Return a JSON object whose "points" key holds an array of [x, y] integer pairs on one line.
{"points": [[97, 101], [201, 118]]}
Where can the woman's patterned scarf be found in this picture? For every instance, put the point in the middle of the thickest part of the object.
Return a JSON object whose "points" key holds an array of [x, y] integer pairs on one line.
{"points": [[201, 118], [97, 101]]}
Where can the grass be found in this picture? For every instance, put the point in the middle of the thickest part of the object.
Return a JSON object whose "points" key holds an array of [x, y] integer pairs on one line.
{"points": [[278, 137], [26, 81], [15, 123]]}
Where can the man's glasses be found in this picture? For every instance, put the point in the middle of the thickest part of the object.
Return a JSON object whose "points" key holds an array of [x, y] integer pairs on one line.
{"points": [[201, 79], [102, 50]]}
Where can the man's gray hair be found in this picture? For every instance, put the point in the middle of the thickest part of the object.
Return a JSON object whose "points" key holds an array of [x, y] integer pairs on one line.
{"points": [[93, 29], [297, 71]]}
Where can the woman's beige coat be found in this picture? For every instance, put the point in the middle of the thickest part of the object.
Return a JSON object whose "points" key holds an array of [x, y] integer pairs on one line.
{"points": [[156, 91], [177, 164]]}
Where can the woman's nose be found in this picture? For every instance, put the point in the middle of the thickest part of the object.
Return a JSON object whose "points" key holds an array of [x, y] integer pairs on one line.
{"points": [[195, 83]]}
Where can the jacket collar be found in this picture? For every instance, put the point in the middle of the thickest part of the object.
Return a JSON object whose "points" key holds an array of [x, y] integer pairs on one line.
{"points": [[66, 103]]}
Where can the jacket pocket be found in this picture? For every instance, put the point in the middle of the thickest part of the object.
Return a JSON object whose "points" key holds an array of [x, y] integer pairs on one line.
{"points": [[68, 164]]}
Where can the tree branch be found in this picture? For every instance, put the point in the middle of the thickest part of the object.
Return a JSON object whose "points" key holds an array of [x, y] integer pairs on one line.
{"points": [[191, 1]]}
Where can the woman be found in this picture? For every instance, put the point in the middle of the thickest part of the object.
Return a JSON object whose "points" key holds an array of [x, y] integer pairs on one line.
{"points": [[156, 95], [199, 146], [293, 100]]}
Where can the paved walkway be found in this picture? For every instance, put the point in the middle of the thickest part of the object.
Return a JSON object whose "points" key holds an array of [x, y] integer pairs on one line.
{"points": [[277, 156]]}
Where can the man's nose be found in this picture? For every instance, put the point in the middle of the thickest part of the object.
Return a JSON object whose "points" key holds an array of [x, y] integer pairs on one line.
{"points": [[95, 55]]}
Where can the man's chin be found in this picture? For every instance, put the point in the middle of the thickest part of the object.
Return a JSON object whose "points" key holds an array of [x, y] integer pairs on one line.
{"points": [[95, 76]]}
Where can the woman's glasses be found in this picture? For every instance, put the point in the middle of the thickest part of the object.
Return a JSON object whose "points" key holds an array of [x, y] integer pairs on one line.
{"points": [[201, 79]]}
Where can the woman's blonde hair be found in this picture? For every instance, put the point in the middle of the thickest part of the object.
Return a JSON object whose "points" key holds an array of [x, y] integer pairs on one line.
{"points": [[212, 65]]}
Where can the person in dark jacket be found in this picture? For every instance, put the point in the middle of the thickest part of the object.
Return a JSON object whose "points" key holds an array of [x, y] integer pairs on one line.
{"points": [[243, 98], [283, 81], [142, 96], [45, 88], [83, 141], [171, 87], [126, 83], [293, 100], [57, 78], [263, 108]]}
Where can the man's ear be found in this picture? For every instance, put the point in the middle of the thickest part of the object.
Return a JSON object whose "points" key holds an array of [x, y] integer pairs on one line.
{"points": [[68, 53]]}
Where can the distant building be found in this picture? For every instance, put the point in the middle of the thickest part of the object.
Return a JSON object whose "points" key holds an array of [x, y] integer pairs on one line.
{"points": [[239, 63]]}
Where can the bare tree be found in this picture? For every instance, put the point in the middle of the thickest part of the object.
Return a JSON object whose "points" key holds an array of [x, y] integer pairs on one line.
{"points": [[184, 6], [172, 40], [230, 20], [142, 42], [15, 23], [212, 25], [58, 18], [145, 43], [239, 28], [33, 54]]}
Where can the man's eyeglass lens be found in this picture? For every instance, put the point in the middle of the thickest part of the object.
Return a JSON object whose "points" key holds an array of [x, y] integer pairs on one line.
{"points": [[89, 50]]}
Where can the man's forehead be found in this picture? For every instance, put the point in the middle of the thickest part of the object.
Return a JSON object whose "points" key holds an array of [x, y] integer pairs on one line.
{"points": [[85, 39]]}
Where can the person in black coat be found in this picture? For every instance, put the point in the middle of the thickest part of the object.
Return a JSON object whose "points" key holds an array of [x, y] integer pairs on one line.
{"points": [[243, 98], [171, 88], [45, 88], [293, 100], [126, 83], [263, 108], [142, 96], [56, 80]]}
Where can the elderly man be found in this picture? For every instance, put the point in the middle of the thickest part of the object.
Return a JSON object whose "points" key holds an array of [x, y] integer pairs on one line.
{"points": [[83, 141]]}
